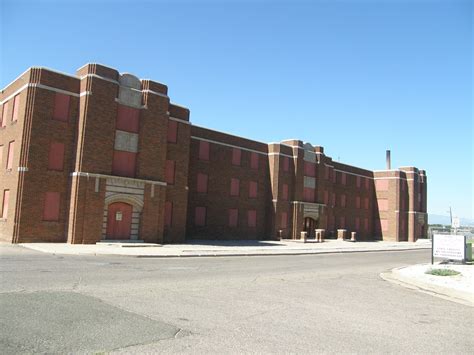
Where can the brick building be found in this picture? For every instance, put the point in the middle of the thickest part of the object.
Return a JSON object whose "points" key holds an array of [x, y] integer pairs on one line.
{"points": [[104, 155]]}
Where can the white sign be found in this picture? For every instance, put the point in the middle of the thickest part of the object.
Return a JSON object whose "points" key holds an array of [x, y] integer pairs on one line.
{"points": [[456, 222], [448, 246]]}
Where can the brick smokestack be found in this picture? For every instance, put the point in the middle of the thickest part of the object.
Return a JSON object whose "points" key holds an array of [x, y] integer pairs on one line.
{"points": [[388, 160]]}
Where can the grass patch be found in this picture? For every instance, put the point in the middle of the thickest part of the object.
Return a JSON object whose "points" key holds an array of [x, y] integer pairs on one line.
{"points": [[442, 272]]}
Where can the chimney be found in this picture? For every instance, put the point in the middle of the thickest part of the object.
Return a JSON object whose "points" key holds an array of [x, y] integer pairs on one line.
{"points": [[388, 160]]}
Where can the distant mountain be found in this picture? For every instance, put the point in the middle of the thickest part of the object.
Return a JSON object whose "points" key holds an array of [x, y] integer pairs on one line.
{"points": [[440, 219]]}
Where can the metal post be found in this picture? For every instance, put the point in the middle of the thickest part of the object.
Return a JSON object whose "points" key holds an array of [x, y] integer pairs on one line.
{"points": [[432, 242]]}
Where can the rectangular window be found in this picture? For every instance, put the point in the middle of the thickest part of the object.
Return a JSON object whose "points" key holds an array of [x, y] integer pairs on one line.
{"points": [[284, 219], [253, 189], [56, 156], [61, 107], [333, 202], [168, 213], [309, 169], [3, 113], [286, 164], [366, 224], [128, 119], [11, 151], [366, 203], [51, 206], [169, 173], [343, 200], [357, 201], [334, 176], [254, 160], [234, 187], [284, 195], [203, 150], [172, 131], [233, 217], [6, 199], [202, 183], [381, 185], [358, 181], [383, 204], [236, 156], [384, 225], [343, 178], [326, 172], [366, 183], [326, 197], [357, 224], [252, 218], [16, 107], [308, 194], [124, 163], [200, 216]]}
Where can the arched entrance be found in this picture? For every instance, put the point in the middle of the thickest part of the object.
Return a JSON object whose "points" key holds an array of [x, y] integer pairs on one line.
{"points": [[309, 226], [119, 220]]}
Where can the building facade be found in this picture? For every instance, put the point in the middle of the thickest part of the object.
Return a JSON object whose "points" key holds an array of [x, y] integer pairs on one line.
{"points": [[104, 155]]}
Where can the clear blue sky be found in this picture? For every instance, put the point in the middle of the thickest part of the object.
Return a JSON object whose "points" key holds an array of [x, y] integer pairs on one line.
{"points": [[357, 77]]}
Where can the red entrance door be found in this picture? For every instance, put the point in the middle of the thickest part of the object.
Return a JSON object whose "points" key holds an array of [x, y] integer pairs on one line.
{"points": [[119, 220]]}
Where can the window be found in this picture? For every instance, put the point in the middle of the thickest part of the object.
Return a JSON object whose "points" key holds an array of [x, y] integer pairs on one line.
{"points": [[326, 197], [333, 202], [168, 213], [286, 164], [56, 156], [357, 224], [381, 185], [6, 199], [334, 176], [202, 183], [3, 113], [383, 204], [254, 160], [51, 206], [172, 131], [253, 189], [366, 224], [252, 218], [61, 107], [236, 156], [16, 107], [200, 216], [308, 194], [358, 181], [343, 200], [366, 183], [124, 163], [343, 178], [169, 173], [233, 217], [366, 203], [309, 169], [326, 172], [357, 201], [128, 119], [203, 150], [234, 187], [284, 220], [11, 151], [284, 195]]}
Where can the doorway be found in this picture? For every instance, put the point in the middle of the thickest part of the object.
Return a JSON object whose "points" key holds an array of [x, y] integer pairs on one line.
{"points": [[119, 220], [309, 226]]}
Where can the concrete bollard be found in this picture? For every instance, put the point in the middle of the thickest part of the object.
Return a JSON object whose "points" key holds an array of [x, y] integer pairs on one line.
{"points": [[320, 234], [341, 234], [353, 236], [304, 236], [280, 234]]}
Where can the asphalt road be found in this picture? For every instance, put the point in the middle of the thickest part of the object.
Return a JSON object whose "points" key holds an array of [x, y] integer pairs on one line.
{"points": [[274, 304]]}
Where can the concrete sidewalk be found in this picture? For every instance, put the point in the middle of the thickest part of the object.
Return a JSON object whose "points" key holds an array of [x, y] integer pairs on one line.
{"points": [[224, 248], [458, 288]]}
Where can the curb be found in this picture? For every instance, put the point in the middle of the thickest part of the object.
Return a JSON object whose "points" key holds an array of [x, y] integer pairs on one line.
{"points": [[446, 293], [227, 254]]}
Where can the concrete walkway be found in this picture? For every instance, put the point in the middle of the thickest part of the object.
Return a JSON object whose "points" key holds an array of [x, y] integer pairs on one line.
{"points": [[224, 248], [458, 288]]}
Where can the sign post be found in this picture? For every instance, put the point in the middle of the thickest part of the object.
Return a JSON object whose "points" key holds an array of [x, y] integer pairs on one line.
{"points": [[448, 246]]}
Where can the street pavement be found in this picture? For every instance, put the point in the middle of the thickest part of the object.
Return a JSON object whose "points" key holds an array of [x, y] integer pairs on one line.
{"points": [[325, 303]]}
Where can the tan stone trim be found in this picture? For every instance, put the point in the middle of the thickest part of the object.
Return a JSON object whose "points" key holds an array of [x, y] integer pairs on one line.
{"points": [[104, 176], [178, 120], [227, 145]]}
